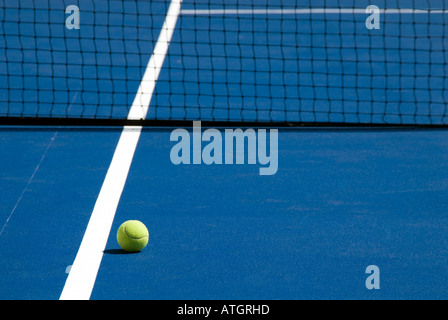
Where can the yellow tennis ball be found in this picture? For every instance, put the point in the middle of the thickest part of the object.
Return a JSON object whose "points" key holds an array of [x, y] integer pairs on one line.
{"points": [[132, 236]]}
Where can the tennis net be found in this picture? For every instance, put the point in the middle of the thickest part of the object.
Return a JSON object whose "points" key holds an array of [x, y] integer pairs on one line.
{"points": [[254, 62]]}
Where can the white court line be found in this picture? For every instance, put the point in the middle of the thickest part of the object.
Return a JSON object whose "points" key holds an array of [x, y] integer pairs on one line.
{"points": [[82, 276], [304, 11]]}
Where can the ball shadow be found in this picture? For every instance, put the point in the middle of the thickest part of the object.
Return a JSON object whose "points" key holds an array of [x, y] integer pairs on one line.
{"points": [[117, 251]]}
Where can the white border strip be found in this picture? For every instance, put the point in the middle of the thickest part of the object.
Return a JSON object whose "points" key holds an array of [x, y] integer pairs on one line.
{"points": [[82, 276], [304, 11]]}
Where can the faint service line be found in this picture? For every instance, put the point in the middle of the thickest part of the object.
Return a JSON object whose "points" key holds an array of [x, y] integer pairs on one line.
{"points": [[29, 182]]}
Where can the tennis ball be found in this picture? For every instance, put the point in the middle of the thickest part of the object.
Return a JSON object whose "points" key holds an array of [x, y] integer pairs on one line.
{"points": [[132, 236]]}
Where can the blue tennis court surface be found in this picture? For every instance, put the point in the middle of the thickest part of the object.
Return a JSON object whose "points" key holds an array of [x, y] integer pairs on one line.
{"points": [[342, 198], [341, 201]]}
